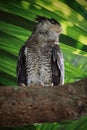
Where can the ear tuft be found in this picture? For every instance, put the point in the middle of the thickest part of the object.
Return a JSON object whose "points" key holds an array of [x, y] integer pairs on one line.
{"points": [[41, 18]]}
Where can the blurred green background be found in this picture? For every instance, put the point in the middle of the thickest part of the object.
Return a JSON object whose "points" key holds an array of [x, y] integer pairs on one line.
{"points": [[17, 20]]}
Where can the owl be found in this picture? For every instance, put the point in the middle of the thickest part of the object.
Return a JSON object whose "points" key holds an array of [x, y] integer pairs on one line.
{"points": [[40, 60]]}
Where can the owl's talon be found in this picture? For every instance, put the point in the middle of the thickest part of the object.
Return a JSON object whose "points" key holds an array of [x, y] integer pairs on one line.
{"points": [[41, 83], [22, 85]]}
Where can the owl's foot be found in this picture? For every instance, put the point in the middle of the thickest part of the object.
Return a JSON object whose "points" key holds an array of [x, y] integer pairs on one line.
{"points": [[22, 85], [41, 83], [47, 85]]}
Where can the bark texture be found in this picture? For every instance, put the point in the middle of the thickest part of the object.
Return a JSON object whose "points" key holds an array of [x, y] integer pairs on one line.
{"points": [[37, 104]]}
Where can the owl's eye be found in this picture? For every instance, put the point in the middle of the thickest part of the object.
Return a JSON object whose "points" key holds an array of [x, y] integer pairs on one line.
{"points": [[53, 21]]}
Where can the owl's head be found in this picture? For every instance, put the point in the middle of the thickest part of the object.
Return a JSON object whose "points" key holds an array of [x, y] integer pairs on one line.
{"points": [[48, 28], [50, 24]]}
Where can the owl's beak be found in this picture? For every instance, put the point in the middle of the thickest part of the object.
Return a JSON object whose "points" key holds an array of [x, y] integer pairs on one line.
{"points": [[57, 28]]}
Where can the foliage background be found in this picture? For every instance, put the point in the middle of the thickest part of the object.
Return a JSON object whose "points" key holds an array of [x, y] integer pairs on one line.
{"points": [[17, 20]]}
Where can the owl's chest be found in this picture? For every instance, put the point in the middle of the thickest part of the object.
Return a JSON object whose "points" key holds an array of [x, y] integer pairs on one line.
{"points": [[38, 66]]}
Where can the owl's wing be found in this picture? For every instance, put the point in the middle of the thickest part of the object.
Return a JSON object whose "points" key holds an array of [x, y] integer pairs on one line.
{"points": [[57, 66], [21, 67]]}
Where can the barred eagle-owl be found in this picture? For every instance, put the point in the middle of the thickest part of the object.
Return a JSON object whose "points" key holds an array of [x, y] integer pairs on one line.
{"points": [[40, 60]]}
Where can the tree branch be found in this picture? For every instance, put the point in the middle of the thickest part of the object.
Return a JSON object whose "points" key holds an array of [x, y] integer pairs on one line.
{"points": [[37, 104]]}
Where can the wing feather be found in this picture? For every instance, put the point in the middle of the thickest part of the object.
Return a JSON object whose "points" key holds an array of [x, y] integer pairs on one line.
{"points": [[57, 66], [21, 67]]}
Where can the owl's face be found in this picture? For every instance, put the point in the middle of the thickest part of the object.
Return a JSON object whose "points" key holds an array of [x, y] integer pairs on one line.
{"points": [[48, 29]]}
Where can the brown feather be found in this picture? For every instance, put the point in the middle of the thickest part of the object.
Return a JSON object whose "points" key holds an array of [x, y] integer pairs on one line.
{"points": [[57, 66], [21, 67]]}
